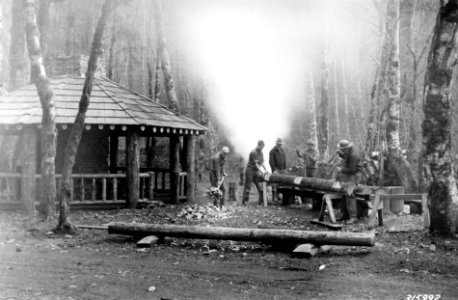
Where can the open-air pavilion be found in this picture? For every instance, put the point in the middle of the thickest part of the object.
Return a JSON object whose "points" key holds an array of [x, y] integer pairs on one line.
{"points": [[102, 175]]}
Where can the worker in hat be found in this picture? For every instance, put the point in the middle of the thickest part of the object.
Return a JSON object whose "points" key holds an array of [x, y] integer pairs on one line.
{"points": [[253, 172], [309, 158], [218, 170], [277, 162], [349, 175]]}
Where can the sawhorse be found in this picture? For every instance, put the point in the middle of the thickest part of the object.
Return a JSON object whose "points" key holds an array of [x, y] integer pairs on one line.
{"points": [[326, 204]]}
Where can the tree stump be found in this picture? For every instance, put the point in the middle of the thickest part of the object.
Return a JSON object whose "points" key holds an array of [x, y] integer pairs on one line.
{"points": [[232, 191]]}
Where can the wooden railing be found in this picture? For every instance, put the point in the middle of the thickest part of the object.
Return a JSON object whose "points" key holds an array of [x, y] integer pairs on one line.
{"points": [[10, 186], [99, 188]]}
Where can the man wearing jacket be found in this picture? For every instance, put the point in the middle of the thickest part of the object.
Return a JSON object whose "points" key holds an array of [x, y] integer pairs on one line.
{"points": [[253, 172], [218, 170], [349, 175], [277, 162]]}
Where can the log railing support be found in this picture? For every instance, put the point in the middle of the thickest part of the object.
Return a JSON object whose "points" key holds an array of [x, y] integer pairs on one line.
{"points": [[151, 186], [133, 168], [29, 168], [190, 146]]}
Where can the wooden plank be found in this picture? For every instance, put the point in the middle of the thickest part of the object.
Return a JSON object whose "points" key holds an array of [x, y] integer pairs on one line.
{"points": [[148, 241], [328, 201], [306, 250], [405, 197], [322, 210]]}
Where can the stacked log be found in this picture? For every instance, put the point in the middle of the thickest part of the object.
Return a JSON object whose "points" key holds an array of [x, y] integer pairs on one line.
{"points": [[320, 184]]}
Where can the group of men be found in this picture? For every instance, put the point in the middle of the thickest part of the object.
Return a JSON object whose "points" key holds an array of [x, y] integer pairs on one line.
{"points": [[349, 170]]}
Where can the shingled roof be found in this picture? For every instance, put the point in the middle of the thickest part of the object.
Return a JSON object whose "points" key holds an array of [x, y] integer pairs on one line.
{"points": [[111, 104]]}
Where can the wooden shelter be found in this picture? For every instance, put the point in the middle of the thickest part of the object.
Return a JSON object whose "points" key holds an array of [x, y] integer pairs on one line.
{"points": [[115, 115]]}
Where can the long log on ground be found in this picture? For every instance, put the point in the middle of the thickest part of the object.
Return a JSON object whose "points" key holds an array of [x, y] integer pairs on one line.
{"points": [[325, 185], [246, 234]]}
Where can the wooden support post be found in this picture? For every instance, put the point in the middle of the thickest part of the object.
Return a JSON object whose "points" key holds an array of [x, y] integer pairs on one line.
{"points": [[29, 167], [93, 189], [233, 191], [104, 189], [115, 189], [114, 142], [264, 193], [425, 208], [190, 146], [174, 169], [133, 168], [151, 186]]}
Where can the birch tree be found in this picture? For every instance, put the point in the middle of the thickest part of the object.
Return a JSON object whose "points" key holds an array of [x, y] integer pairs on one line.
{"points": [[311, 114], [164, 58], [324, 105], [392, 91], [437, 136], [48, 131]]}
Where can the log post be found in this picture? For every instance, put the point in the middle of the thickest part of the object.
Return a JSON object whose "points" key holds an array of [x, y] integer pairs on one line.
{"points": [[174, 169], [151, 186], [133, 168], [190, 146], [114, 142], [29, 168]]}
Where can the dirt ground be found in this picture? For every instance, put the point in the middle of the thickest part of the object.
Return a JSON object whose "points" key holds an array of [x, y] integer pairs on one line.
{"points": [[37, 264]]}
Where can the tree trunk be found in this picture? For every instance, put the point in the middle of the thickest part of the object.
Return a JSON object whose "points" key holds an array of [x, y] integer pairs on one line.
{"points": [[336, 104], [2, 41], [246, 234], [443, 195], [110, 65], [43, 26], [311, 108], [17, 63], [324, 106], [29, 169], [347, 131], [396, 161], [157, 82], [74, 138], [372, 119], [45, 93], [163, 54]]}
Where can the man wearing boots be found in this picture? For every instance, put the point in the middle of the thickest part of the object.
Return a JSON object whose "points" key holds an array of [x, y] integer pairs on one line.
{"points": [[253, 172], [217, 170], [349, 175], [277, 162]]}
